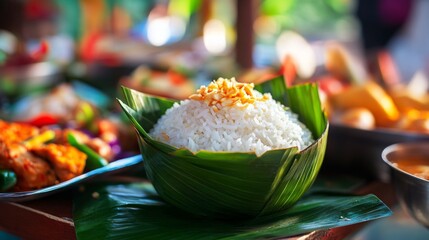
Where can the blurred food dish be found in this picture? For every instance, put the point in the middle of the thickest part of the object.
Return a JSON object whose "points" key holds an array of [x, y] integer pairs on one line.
{"points": [[392, 103], [18, 81], [44, 156], [132, 163], [170, 84], [365, 118]]}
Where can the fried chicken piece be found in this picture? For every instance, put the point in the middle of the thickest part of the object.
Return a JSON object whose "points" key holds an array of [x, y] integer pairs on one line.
{"points": [[32, 172], [3, 124], [16, 132], [68, 162]]}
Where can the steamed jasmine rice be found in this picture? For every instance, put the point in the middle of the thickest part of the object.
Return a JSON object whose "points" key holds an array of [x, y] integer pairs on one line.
{"points": [[233, 117]]}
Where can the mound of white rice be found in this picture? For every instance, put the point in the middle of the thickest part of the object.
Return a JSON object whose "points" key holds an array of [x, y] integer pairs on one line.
{"points": [[257, 128]]}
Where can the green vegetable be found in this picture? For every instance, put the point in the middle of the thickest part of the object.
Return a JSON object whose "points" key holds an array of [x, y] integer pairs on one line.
{"points": [[231, 184], [93, 160], [7, 179], [85, 114]]}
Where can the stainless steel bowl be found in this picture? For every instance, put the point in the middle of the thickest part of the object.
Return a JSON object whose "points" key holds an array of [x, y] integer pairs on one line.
{"points": [[411, 191]]}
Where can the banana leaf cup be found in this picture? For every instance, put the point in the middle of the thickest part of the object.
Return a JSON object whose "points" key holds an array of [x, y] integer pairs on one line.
{"points": [[231, 184]]}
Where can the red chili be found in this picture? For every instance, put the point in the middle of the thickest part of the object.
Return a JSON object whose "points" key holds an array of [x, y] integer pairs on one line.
{"points": [[176, 78], [288, 69], [43, 120], [41, 52]]}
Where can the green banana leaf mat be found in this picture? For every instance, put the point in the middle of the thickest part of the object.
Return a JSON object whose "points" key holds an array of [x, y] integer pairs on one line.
{"points": [[135, 211]]}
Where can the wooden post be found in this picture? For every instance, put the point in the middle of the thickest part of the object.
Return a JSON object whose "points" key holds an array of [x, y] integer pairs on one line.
{"points": [[246, 14]]}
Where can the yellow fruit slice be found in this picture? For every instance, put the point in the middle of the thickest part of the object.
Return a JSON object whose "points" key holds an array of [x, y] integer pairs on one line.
{"points": [[412, 96], [405, 102], [372, 97]]}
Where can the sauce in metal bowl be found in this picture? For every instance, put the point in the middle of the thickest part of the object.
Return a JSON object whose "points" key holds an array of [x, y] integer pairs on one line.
{"points": [[415, 165]]}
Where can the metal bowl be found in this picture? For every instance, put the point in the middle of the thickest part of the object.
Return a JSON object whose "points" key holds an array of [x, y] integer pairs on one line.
{"points": [[358, 151], [411, 191]]}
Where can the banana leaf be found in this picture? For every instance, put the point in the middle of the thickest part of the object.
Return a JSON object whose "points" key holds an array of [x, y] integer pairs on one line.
{"points": [[135, 211], [231, 184]]}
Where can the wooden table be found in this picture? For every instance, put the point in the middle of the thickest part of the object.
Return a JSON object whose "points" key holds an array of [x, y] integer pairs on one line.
{"points": [[48, 218], [51, 217]]}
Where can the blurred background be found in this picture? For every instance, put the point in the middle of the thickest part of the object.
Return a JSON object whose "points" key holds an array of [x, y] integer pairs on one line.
{"points": [[171, 47]]}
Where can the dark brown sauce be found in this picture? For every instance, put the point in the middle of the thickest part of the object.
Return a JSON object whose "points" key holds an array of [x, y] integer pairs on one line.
{"points": [[417, 166]]}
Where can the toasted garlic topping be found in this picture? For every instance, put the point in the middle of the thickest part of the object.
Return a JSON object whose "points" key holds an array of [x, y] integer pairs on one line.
{"points": [[165, 136], [224, 92]]}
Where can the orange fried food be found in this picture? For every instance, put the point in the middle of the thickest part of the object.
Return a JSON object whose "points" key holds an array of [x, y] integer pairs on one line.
{"points": [[3, 124], [372, 97], [68, 162], [16, 132], [32, 172]]}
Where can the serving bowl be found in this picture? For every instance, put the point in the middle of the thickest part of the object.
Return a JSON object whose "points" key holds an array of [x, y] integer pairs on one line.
{"points": [[231, 184], [411, 191]]}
